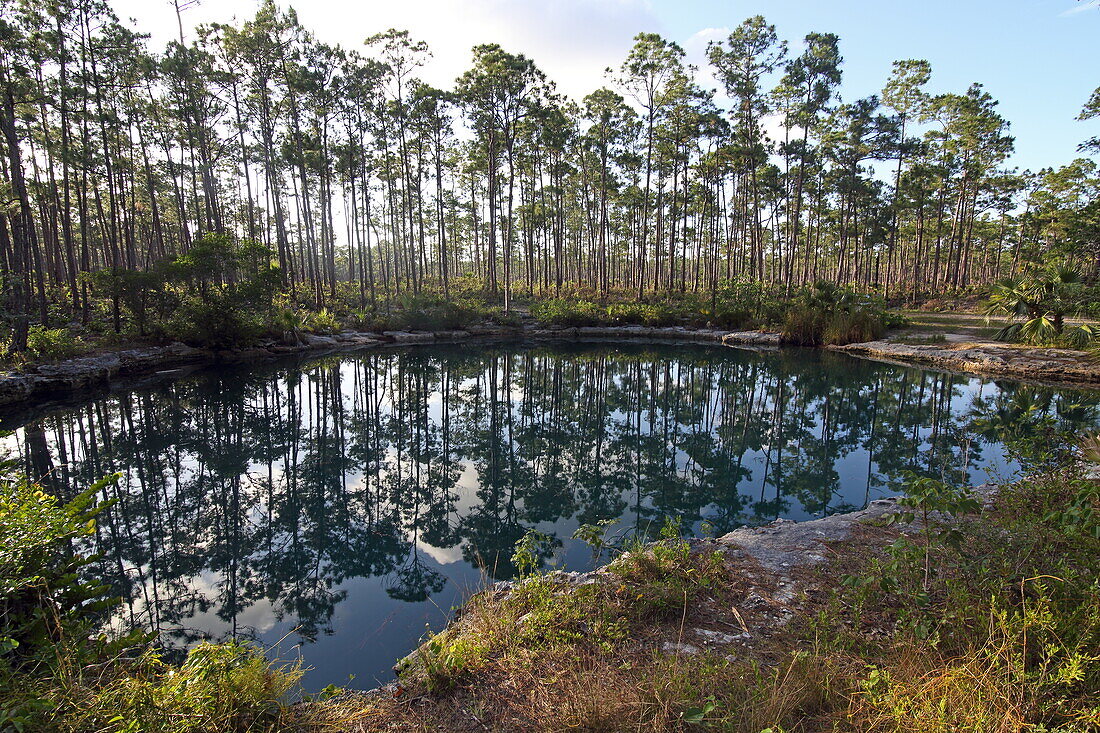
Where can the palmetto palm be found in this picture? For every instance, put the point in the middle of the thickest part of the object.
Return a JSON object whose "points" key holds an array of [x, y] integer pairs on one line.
{"points": [[1041, 298]]}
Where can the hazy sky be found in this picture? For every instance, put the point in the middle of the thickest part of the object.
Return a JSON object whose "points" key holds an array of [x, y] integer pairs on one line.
{"points": [[1038, 57]]}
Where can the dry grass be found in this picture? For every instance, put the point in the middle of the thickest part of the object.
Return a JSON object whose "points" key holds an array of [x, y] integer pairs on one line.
{"points": [[603, 656], [987, 646]]}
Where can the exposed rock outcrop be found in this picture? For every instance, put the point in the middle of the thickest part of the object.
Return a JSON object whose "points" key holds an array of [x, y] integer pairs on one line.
{"points": [[1029, 364]]}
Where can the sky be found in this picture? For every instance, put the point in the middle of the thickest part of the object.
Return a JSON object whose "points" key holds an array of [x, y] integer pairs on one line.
{"points": [[1037, 57]]}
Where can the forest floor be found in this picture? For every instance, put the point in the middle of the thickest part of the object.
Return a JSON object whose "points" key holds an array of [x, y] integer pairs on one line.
{"points": [[952, 327], [974, 613]]}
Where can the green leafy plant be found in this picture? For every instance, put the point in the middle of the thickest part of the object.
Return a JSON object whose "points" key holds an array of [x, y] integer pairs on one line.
{"points": [[1040, 299], [51, 343], [595, 536], [562, 312], [926, 497], [322, 321], [528, 552], [42, 596], [698, 715]]}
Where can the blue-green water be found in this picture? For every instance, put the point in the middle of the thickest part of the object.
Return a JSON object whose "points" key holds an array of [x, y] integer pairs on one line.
{"points": [[332, 508]]}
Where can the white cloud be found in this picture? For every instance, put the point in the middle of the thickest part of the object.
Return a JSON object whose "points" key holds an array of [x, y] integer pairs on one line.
{"points": [[1081, 7], [695, 50], [572, 41]]}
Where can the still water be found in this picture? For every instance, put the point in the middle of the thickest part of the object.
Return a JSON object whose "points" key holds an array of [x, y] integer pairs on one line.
{"points": [[331, 509]]}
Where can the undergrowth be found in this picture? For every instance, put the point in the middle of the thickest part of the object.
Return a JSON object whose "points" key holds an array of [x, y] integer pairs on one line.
{"points": [[57, 673], [952, 617]]}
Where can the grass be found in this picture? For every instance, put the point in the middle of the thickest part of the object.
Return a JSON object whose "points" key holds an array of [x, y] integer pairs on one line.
{"points": [[922, 339], [552, 655], [814, 326], [976, 621]]}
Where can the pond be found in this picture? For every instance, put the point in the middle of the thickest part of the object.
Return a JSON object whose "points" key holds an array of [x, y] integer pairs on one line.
{"points": [[332, 508]]}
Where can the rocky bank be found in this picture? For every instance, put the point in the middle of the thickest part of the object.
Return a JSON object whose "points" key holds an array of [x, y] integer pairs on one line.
{"points": [[126, 366]]}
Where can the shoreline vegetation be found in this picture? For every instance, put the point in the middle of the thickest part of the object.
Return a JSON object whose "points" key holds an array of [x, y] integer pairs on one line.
{"points": [[127, 363], [948, 610]]}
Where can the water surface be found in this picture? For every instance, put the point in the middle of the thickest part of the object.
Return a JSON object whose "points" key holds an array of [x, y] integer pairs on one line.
{"points": [[332, 508]]}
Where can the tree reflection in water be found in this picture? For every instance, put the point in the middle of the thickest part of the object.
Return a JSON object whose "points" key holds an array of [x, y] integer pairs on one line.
{"points": [[266, 493]]}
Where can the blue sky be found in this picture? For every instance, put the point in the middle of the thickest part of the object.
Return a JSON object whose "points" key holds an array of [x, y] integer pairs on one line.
{"points": [[1038, 57]]}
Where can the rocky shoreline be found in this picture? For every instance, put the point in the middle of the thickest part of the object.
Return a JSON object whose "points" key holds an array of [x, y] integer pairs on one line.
{"points": [[777, 570], [1038, 365], [44, 381], [771, 561]]}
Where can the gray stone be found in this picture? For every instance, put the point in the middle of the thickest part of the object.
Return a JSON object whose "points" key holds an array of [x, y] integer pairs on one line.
{"points": [[719, 637], [675, 647], [753, 338], [314, 341], [452, 335], [1028, 364], [786, 544], [406, 337]]}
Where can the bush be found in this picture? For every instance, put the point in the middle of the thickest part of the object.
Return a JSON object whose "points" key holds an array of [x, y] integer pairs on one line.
{"points": [[42, 598], [322, 322], [645, 314], [829, 314], [431, 312], [893, 319], [217, 324], [52, 343], [732, 316], [561, 312], [224, 687], [497, 315]]}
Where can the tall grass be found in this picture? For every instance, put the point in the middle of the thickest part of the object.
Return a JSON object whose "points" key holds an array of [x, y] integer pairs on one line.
{"points": [[813, 326]]}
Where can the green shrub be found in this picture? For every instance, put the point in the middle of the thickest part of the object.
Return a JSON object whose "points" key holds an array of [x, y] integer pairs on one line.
{"points": [[322, 322], [630, 313], [42, 597], [52, 343], [289, 324], [225, 687], [56, 674], [829, 314], [561, 312], [497, 315], [216, 324], [643, 314], [732, 316], [893, 319], [431, 312]]}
